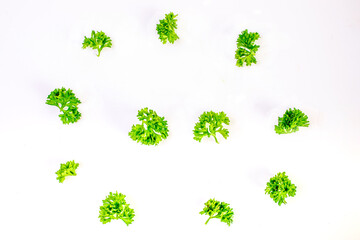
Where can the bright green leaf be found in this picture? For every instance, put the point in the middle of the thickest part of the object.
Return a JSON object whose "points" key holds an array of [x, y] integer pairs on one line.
{"points": [[279, 188], [209, 124], [220, 210], [67, 169], [115, 207], [166, 28], [152, 130], [66, 101], [246, 48], [98, 41], [291, 121]]}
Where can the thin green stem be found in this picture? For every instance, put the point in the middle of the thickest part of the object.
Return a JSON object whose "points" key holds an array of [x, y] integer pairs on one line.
{"points": [[208, 220], [214, 135]]}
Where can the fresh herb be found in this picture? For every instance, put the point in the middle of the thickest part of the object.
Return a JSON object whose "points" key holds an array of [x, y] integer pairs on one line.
{"points": [[115, 207], [215, 209], [166, 28], [246, 48], [66, 101], [152, 130], [67, 169], [291, 121], [280, 187], [97, 41], [209, 124]]}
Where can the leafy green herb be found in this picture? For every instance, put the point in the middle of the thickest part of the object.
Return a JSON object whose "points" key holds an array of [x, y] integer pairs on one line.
{"points": [[152, 130], [280, 187], [209, 124], [215, 209], [166, 28], [115, 207], [291, 121], [66, 101], [97, 41], [67, 169], [246, 48]]}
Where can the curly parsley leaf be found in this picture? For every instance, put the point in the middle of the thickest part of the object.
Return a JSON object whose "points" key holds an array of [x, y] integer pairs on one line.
{"points": [[66, 169], [209, 124], [97, 41], [279, 188], [166, 28], [152, 130], [215, 209], [291, 121], [246, 48], [115, 207], [66, 101]]}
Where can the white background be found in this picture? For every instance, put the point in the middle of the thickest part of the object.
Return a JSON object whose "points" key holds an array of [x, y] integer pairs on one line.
{"points": [[308, 59]]}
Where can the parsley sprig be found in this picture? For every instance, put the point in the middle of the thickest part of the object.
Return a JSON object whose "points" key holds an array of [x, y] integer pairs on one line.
{"points": [[246, 48], [291, 121], [211, 123], [66, 101], [166, 28], [115, 207], [279, 188], [216, 209], [66, 169], [152, 130], [97, 41]]}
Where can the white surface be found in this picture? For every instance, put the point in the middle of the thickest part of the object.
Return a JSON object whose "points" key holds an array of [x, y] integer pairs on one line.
{"points": [[309, 59]]}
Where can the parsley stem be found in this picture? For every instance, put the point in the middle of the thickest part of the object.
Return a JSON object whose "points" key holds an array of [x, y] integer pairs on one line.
{"points": [[214, 135]]}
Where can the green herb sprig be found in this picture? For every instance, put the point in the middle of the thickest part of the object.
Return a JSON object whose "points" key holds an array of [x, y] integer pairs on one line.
{"points": [[246, 48], [220, 210], [66, 101], [291, 121], [279, 188], [211, 123], [98, 41], [66, 169], [166, 28], [152, 130], [115, 207]]}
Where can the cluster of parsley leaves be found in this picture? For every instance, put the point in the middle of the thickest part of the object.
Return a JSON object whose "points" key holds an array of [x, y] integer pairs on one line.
{"points": [[97, 41], [220, 210], [66, 169], [280, 187], [67, 102], [291, 121], [246, 48], [166, 28], [152, 130], [115, 207], [211, 123]]}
